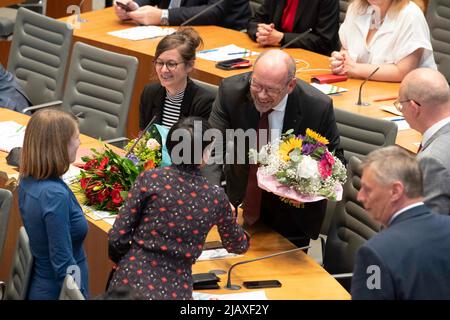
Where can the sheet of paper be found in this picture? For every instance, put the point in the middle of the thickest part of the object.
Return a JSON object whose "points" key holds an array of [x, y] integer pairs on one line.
{"points": [[216, 254], [142, 32], [97, 214], [228, 52], [252, 295], [328, 88], [391, 109], [400, 122], [11, 134], [71, 175]]}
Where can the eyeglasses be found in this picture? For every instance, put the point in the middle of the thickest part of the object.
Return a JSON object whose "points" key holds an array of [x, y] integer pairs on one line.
{"points": [[399, 104], [269, 91], [170, 65]]}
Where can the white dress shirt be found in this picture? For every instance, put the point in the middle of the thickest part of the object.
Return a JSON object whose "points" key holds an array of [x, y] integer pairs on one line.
{"points": [[276, 118], [398, 36]]}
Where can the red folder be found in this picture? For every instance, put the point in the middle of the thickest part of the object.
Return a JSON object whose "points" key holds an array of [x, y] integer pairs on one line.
{"points": [[328, 78]]}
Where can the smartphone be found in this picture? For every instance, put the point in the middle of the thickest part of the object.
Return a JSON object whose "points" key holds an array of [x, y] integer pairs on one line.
{"points": [[232, 64], [124, 6], [262, 284]]}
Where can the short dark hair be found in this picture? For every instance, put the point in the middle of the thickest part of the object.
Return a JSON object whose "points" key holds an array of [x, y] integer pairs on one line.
{"points": [[193, 129], [186, 41]]}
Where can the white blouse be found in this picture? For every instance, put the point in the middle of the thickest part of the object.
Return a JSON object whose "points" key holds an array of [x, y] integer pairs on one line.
{"points": [[398, 36]]}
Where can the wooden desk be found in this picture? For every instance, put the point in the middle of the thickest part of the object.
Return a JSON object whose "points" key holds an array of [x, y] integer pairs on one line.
{"points": [[7, 3], [302, 278], [58, 8], [102, 21]]}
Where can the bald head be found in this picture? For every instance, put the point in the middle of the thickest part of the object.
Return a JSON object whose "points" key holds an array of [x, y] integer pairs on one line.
{"points": [[275, 63], [427, 86]]}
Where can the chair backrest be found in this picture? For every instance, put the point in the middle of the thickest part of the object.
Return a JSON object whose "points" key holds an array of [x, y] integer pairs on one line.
{"points": [[5, 208], [70, 290], [343, 5], [98, 90], [212, 88], [22, 266], [38, 55], [361, 134], [351, 225], [438, 19]]}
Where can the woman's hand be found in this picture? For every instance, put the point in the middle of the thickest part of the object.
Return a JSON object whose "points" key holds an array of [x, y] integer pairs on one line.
{"points": [[337, 61]]}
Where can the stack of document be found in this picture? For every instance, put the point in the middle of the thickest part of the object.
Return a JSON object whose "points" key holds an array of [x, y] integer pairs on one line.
{"points": [[11, 134], [142, 32], [228, 52]]}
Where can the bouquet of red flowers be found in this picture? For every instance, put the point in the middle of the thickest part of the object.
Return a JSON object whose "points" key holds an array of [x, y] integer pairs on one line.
{"points": [[105, 179]]}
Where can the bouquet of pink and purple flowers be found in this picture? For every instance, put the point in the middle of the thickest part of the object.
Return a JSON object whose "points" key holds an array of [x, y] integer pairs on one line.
{"points": [[300, 169]]}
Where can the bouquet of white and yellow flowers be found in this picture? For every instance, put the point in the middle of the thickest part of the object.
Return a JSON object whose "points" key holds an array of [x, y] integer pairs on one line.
{"points": [[300, 169]]}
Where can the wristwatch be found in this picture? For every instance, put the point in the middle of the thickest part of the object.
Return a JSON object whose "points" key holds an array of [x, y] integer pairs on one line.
{"points": [[164, 18]]}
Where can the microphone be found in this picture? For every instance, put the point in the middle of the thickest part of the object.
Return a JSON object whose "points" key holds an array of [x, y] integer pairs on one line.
{"points": [[237, 287], [301, 35], [140, 136], [201, 12], [359, 103]]}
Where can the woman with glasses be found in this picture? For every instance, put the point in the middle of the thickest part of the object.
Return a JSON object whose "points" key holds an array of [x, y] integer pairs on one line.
{"points": [[175, 96], [391, 34]]}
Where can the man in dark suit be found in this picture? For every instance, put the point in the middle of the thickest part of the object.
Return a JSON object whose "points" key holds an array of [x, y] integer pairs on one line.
{"points": [[12, 95], [233, 14], [409, 259], [424, 100], [277, 22], [241, 102]]}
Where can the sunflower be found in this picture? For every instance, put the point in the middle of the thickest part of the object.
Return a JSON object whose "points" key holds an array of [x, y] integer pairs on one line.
{"points": [[288, 146], [314, 135]]}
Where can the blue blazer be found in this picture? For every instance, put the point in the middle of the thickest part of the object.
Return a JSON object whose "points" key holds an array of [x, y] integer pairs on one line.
{"points": [[56, 227], [12, 96], [413, 259]]}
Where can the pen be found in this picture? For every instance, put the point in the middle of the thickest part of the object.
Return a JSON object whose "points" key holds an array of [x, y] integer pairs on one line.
{"points": [[20, 128], [397, 119], [210, 50], [232, 53], [384, 99]]}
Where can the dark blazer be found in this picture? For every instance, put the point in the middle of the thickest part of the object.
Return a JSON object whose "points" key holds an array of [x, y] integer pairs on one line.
{"points": [[306, 108], [233, 14], [413, 257], [320, 15], [12, 95], [196, 102]]}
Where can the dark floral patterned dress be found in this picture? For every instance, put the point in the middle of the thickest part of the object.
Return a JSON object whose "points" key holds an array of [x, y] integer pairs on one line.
{"points": [[161, 230]]}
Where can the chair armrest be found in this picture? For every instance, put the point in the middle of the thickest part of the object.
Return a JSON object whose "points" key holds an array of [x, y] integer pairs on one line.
{"points": [[118, 142], [342, 275], [2, 290], [43, 105]]}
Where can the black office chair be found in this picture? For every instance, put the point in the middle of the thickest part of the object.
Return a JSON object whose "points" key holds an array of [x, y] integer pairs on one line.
{"points": [[350, 228]]}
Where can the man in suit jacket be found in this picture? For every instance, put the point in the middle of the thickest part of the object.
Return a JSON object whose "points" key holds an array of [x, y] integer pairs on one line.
{"points": [[233, 14], [424, 99], [296, 105], [409, 258], [277, 22], [12, 96]]}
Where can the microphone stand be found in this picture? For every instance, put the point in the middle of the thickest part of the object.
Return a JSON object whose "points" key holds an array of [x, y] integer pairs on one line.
{"points": [[140, 136], [237, 287], [200, 13], [301, 35], [360, 103]]}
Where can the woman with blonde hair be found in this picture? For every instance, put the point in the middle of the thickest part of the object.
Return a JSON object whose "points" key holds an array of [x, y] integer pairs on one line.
{"points": [[390, 34], [50, 212]]}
